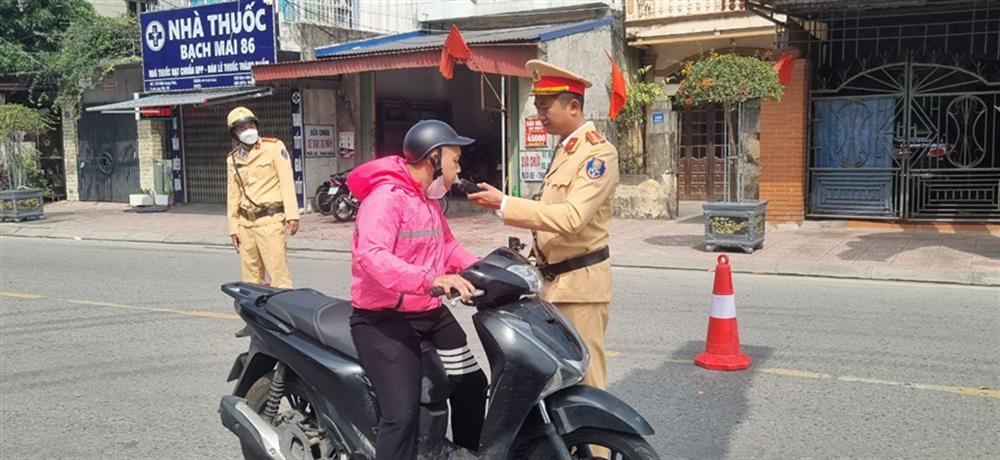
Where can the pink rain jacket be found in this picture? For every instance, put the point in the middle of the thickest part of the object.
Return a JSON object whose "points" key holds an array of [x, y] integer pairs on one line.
{"points": [[401, 241]]}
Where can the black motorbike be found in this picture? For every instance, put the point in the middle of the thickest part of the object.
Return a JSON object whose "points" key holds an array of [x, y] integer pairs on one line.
{"points": [[302, 394], [335, 198]]}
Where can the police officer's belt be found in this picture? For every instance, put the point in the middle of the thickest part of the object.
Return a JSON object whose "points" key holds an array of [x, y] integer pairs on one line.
{"points": [[551, 271], [268, 210]]}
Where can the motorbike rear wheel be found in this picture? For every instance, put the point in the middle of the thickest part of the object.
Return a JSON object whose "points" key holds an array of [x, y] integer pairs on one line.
{"points": [[342, 209], [622, 446], [323, 200], [296, 396]]}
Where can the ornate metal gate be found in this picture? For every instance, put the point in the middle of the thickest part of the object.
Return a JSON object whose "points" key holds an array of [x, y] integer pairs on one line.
{"points": [[108, 159], [908, 140]]}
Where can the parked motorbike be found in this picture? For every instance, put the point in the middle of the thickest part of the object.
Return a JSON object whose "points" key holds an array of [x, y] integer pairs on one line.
{"points": [[335, 198], [301, 392]]}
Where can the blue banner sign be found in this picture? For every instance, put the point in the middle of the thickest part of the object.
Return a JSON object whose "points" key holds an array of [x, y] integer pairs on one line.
{"points": [[207, 46]]}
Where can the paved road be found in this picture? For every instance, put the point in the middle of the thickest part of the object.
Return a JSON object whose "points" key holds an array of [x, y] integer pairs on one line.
{"points": [[120, 351]]}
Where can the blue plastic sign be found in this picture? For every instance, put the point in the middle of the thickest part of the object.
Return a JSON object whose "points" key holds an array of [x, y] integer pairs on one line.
{"points": [[207, 46], [658, 117]]}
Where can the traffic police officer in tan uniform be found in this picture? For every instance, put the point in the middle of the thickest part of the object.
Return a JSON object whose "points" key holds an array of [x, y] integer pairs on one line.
{"points": [[571, 220], [261, 201]]}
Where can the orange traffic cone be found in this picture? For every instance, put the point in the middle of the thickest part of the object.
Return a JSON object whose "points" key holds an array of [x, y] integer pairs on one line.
{"points": [[722, 348]]}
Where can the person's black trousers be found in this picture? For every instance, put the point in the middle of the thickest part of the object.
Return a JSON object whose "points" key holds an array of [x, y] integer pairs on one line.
{"points": [[388, 344]]}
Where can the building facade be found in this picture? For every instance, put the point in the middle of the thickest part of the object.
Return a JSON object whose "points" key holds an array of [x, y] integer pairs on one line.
{"points": [[902, 108]]}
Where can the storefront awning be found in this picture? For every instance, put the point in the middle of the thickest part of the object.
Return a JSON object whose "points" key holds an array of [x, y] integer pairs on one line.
{"points": [[174, 99], [498, 51], [505, 60]]}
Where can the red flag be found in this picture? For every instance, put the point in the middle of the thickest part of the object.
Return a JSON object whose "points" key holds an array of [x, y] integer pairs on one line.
{"points": [[784, 68], [618, 94], [454, 49]]}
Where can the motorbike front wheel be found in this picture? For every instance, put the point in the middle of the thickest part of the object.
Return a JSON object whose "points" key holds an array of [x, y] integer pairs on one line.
{"points": [[323, 201], [582, 441], [342, 209]]}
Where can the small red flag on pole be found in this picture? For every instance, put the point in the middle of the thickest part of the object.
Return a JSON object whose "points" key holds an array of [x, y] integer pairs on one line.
{"points": [[454, 49], [618, 93], [784, 67]]}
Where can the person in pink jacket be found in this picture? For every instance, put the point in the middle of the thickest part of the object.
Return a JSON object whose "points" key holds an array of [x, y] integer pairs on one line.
{"points": [[403, 248]]}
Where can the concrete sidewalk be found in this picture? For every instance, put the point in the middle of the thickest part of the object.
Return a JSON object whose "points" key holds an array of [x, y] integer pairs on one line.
{"points": [[827, 249]]}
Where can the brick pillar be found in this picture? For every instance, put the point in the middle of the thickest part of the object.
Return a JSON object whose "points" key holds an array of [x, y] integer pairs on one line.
{"points": [[70, 151], [784, 151], [151, 135]]}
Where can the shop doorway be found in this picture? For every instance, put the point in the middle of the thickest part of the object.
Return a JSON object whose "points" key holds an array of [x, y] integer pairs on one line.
{"points": [[207, 142], [701, 161], [459, 102]]}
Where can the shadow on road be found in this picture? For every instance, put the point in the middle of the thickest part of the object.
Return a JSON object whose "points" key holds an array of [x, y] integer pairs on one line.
{"points": [[694, 411], [687, 241], [881, 247], [199, 209]]}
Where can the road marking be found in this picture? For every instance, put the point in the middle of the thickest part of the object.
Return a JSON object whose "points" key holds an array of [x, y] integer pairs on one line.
{"points": [[21, 295], [194, 313], [967, 391], [209, 314], [794, 373], [984, 392]]}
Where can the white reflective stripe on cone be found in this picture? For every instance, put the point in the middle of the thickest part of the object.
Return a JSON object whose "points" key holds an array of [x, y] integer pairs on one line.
{"points": [[723, 306]]}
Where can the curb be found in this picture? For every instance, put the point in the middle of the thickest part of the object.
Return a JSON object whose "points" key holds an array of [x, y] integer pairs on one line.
{"points": [[894, 274]]}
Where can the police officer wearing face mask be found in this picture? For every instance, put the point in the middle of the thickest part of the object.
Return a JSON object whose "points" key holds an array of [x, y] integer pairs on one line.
{"points": [[261, 202]]}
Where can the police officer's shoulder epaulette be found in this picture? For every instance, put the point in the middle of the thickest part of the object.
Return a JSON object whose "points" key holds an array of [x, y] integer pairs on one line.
{"points": [[570, 146], [595, 138], [270, 140]]}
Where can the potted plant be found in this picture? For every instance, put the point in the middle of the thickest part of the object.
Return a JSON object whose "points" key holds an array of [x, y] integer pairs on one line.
{"points": [[23, 186], [141, 197], [730, 80]]}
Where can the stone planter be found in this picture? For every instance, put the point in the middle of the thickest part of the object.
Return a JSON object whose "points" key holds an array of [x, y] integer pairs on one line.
{"points": [[161, 200], [140, 199], [735, 225], [18, 205]]}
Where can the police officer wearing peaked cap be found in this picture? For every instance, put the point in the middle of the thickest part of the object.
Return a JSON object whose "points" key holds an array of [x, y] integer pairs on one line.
{"points": [[570, 221], [261, 202]]}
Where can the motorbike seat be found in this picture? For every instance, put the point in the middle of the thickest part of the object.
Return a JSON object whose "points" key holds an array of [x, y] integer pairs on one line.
{"points": [[328, 320], [323, 318]]}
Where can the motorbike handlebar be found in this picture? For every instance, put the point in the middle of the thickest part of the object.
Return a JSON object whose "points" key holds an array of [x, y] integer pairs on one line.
{"points": [[438, 292]]}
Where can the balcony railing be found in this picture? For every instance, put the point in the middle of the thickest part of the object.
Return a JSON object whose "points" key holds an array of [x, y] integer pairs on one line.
{"points": [[333, 13], [638, 10]]}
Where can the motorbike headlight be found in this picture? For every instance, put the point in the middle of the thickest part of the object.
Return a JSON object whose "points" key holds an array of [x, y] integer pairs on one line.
{"points": [[530, 276]]}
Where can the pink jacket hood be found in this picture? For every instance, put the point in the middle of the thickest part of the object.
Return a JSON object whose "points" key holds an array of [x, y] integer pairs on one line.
{"points": [[402, 241], [386, 170]]}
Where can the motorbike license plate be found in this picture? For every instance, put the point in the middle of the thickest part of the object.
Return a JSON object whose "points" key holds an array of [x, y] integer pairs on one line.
{"points": [[333, 191]]}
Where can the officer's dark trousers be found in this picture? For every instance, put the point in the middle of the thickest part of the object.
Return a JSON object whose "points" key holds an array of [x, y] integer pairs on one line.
{"points": [[388, 344]]}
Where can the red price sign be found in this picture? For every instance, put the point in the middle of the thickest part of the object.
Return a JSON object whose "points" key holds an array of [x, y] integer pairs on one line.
{"points": [[535, 135]]}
